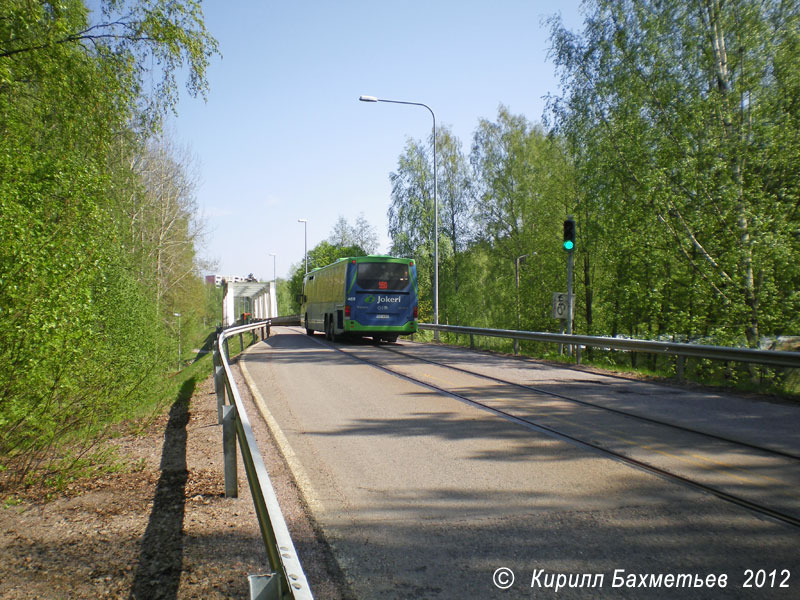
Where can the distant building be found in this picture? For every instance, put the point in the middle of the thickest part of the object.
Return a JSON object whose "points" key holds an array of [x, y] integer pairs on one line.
{"points": [[218, 279]]}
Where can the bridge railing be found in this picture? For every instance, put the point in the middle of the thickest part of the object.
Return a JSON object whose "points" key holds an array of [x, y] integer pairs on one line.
{"points": [[682, 350], [286, 578]]}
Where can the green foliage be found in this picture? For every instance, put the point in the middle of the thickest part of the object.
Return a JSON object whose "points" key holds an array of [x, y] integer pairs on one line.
{"points": [[286, 302], [503, 204], [361, 234], [83, 339], [678, 114], [321, 255], [673, 144]]}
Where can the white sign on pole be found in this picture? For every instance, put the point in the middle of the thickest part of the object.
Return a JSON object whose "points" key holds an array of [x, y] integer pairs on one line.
{"points": [[561, 305]]}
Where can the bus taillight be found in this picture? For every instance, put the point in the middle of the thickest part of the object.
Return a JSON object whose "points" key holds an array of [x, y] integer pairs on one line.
{"points": [[347, 310], [415, 311]]}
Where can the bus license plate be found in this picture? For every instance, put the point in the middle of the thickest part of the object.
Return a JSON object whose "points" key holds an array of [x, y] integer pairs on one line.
{"points": [[382, 316]]}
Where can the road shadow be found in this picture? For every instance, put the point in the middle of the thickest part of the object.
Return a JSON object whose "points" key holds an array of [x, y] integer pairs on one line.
{"points": [[161, 555]]}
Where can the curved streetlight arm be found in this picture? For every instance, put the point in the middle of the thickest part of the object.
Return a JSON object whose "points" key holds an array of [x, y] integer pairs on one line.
{"points": [[374, 99], [435, 206]]}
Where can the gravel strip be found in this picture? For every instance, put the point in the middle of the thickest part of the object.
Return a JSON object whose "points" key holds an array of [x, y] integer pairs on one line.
{"points": [[164, 531]]}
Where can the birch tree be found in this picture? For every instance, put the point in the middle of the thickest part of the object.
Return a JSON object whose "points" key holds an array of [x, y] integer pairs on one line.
{"points": [[81, 340], [680, 102], [362, 234]]}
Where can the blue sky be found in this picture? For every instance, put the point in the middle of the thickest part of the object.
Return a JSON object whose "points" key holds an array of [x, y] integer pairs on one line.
{"points": [[283, 135]]}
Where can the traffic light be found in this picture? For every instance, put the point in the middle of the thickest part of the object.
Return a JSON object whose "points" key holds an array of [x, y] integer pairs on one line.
{"points": [[569, 235]]}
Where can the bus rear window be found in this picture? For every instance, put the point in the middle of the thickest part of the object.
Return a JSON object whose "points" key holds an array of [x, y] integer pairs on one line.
{"points": [[382, 276]]}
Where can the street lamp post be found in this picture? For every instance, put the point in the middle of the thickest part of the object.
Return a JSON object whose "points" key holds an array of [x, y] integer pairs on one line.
{"points": [[435, 209], [516, 272], [179, 339], [273, 301], [305, 238]]}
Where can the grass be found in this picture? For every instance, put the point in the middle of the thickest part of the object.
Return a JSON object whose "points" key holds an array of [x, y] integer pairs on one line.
{"points": [[89, 453], [239, 343], [705, 372]]}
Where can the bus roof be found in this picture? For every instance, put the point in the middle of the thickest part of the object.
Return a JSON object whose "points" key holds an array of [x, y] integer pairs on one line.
{"points": [[364, 259], [376, 258]]}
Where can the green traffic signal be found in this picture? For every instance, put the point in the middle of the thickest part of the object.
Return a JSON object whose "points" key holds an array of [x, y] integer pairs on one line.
{"points": [[569, 235]]}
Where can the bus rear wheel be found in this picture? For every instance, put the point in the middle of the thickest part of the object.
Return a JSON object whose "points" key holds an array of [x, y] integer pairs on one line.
{"points": [[308, 330], [330, 332]]}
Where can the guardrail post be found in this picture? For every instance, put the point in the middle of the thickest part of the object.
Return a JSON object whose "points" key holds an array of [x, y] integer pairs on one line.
{"points": [[241, 342], [229, 450], [578, 353], [264, 587], [219, 382], [471, 341], [681, 366], [516, 347], [219, 386]]}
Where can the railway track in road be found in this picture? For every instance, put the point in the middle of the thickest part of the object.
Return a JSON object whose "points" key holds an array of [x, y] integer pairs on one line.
{"points": [[733, 477], [627, 414]]}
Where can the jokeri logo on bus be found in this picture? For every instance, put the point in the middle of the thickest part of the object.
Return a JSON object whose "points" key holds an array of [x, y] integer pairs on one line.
{"points": [[381, 299]]}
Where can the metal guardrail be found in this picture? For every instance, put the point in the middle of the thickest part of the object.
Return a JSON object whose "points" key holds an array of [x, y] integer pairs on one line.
{"points": [[768, 358], [286, 578], [771, 358]]}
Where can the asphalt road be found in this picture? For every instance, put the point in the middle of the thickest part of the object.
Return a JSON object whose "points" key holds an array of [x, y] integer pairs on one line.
{"points": [[422, 495]]}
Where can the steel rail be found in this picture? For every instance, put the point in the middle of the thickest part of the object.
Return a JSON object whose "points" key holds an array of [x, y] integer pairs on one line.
{"points": [[622, 413], [287, 578], [761, 509], [772, 358]]}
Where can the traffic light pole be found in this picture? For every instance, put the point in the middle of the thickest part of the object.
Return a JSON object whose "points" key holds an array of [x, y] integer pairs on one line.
{"points": [[569, 296], [569, 246], [569, 293]]}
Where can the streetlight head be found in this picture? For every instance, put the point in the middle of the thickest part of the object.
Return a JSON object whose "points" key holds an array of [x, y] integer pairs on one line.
{"points": [[368, 98], [302, 220]]}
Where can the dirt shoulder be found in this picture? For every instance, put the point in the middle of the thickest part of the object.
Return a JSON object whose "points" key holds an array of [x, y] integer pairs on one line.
{"points": [[164, 531]]}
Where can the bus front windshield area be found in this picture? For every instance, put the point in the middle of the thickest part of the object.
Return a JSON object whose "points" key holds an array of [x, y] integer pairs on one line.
{"points": [[382, 276]]}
